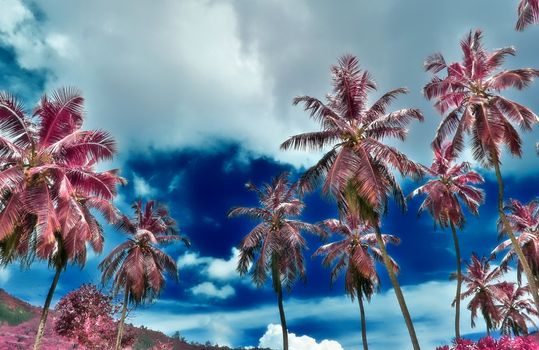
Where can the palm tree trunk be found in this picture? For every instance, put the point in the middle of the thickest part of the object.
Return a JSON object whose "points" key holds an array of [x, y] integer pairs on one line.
{"points": [[363, 321], [122, 320], [282, 316], [397, 288], [276, 277], [516, 247], [459, 280], [45, 311]]}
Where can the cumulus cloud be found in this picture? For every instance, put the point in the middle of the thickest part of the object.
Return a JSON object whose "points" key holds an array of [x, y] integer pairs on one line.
{"points": [[209, 290], [5, 275], [206, 72], [272, 339], [213, 268], [432, 314], [142, 187]]}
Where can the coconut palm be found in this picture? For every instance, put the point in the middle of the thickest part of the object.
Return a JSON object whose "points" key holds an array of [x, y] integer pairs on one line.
{"points": [[357, 155], [485, 289], [528, 13], [49, 184], [137, 266], [275, 245], [515, 310], [451, 184], [355, 254], [524, 220], [469, 100]]}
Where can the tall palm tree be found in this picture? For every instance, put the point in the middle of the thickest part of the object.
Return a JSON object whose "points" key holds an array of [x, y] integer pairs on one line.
{"points": [[451, 184], [358, 157], [355, 254], [137, 266], [485, 289], [515, 310], [469, 100], [49, 184], [524, 220], [528, 13], [275, 245]]}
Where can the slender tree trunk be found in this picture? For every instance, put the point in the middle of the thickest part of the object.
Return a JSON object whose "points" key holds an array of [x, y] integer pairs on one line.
{"points": [[283, 318], [122, 320], [45, 311], [363, 321], [276, 277], [397, 288], [516, 246], [459, 280]]}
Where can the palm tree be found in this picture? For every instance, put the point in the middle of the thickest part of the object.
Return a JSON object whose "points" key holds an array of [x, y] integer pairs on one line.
{"points": [[524, 220], [356, 254], [137, 266], [275, 245], [469, 100], [515, 310], [49, 184], [452, 184], [358, 159], [484, 289], [528, 13]]}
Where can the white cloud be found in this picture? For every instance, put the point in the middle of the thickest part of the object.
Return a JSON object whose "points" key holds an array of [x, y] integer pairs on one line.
{"points": [[214, 268], [142, 187], [273, 339], [5, 275], [211, 71], [429, 304], [209, 290]]}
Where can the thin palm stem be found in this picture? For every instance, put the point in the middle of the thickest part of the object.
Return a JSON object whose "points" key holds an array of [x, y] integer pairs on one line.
{"points": [[122, 320], [279, 290], [45, 311], [363, 321], [459, 281], [397, 288], [516, 246]]}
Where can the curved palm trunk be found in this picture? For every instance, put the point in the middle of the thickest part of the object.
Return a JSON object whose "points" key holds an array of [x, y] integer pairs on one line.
{"points": [[459, 281], [279, 290], [122, 320], [397, 288], [363, 321], [45, 311], [516, 247], [283, 319]]}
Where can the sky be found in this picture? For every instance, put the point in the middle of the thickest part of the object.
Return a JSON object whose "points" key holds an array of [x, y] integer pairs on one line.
{"points": [[198, 96]]}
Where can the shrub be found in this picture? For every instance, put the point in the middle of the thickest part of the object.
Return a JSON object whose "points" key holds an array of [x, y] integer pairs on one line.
{"points": [[489, 343], [85, 315]]}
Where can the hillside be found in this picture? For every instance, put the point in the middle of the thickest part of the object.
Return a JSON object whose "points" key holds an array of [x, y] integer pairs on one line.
{"points": [[19, 320]]}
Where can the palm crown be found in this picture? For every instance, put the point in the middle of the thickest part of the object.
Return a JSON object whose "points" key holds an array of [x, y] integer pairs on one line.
{"points": [[276, 243], [452, 183], [468, 98], [515, 309], [524, 220], [356, 254], [138, 264], [528, 13], [355, 133], [49, 182], [484, 289]]}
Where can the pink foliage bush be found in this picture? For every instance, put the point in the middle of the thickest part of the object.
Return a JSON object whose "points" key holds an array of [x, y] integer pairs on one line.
{"points": [[162, 346], [489, 343], [85, 315]]}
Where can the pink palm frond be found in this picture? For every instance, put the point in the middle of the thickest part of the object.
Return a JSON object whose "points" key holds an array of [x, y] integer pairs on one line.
{"points": [[468, 97], [355, 134], [139, 264]]}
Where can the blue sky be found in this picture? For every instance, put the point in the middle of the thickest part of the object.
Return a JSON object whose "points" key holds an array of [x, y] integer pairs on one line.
{"points": [[198, 95]]}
